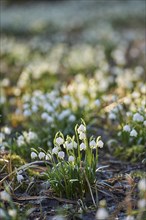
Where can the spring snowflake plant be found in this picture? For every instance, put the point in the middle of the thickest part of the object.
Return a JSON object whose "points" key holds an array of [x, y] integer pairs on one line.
{"points": [[46, 109], [134, 131], [74, 161], [22, 143]]}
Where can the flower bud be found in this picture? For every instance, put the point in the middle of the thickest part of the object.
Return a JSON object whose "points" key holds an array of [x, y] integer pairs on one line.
{"points": [[100, 143], [33, 155], [61, 154], [41, 155], [59, 141]]}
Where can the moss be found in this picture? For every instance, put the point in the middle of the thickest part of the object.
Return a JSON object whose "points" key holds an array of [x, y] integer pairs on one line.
{"points": [[16, 160], [13, 161], [138, 173]]}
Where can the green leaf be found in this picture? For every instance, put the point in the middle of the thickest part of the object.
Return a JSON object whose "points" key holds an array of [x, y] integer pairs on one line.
{"points": [[73, 180]]}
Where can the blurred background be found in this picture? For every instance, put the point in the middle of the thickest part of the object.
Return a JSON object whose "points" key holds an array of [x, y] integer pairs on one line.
{"points": [[34, 26], [62, 60], [46, 44], [73, 20]]}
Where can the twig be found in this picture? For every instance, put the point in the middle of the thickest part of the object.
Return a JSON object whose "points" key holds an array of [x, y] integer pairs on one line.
{"points": [[90, 190], [44, 197], [24, 167]]}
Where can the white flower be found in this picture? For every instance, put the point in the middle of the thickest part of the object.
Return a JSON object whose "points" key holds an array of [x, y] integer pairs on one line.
{"points": [[93, 144], [19, 178], [142, 203], [26, 106], [31, 136], [129, 114], [49, 119], [82, 136], [81, 128], [74, 144], [44, 115], [71, 159], [61, 154], [33, 155], [7, 130], [59, 217], [5, 196], [138, 117], [127, 100], [20, 141], [55, 150], [69, 145], [112, 116], [2, 214], [100, 143], [2, 137], [97, 102], [48, 107], [126, 128], [144, 123], [117, 108], [41, 155], [82, 146], [142, 184], [129, 217], [143, 89], [49, 143], [133, 133], [47, 157], [59, 141], [72, 118], [101, 214], [34, 108], [12, 212], [64, 114], [135, 95], [27, 112]]}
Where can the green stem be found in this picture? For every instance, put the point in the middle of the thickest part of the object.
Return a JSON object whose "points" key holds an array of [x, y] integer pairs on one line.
{"points": [[78, 145], [88, 152], [65, 181], [96, 159]]}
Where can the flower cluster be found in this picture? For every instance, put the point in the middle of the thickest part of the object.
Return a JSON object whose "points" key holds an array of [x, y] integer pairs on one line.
{"points": [[19, 176], [69, 156], [22, 143], [26, 138], [134, 130]]}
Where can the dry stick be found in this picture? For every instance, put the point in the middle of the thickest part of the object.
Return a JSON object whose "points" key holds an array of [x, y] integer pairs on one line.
{"points": [[27, 198], [90, 189], [109, 107], [122, 205], [3, 168], [64, 200], [24, 167]]}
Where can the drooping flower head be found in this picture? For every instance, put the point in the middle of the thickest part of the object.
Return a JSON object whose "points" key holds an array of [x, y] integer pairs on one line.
{"points": [[93, 144], [59, 141], [61, 154], [81, 129], [100, 144], [41, 155], [33, 155], [82, 146], [71, 158]]}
